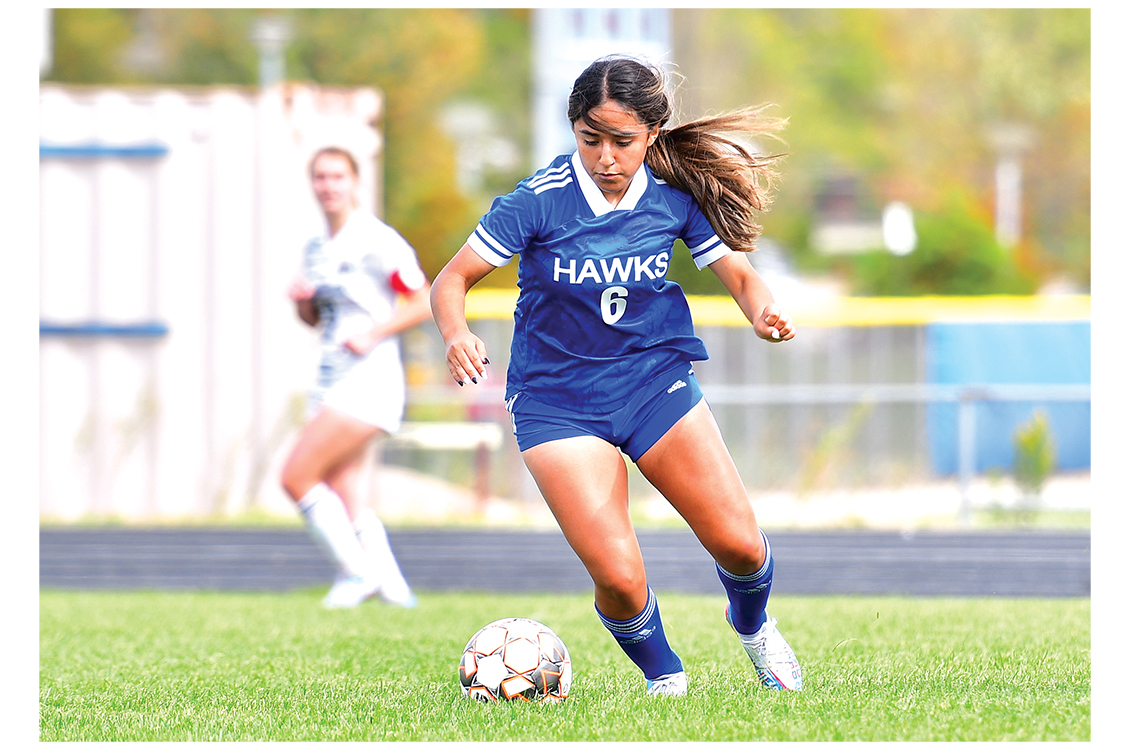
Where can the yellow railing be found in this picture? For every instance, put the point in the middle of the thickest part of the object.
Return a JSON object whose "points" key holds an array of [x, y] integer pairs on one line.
{"points": [[851, 311]]}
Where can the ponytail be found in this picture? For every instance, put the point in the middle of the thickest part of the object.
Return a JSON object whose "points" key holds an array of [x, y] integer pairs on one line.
{"points": [[727, 180]]}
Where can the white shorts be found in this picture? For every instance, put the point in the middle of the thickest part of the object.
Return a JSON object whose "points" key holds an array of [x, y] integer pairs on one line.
{"points": [[371, 389]]}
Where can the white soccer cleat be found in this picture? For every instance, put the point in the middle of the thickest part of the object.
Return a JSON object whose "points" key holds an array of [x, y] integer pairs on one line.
{"points": [[673, 685], [395, 590], [374, 540], [350, 591], [776, 664]]}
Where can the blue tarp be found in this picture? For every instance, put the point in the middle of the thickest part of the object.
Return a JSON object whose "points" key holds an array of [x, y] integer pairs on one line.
{"points": [[1009, 353]]}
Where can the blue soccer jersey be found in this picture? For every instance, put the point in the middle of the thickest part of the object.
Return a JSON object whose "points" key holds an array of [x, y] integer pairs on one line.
{"points": [[596, 316]]}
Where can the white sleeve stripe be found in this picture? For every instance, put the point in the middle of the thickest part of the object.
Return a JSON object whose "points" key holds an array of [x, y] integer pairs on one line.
{"points": [[487, 249], [707, 246], [705, 259], [708, 252], [549, 175], [491, 242], [553, 185]]}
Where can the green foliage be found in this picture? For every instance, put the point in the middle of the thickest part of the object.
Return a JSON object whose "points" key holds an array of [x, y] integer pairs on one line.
{"points": [[145, 46], [685, 273], [905, 99], [88, 44], [957, 253], [419, 58], [902, 98], [1034, 454], [422, 59], [212, 46], [242, 667]]}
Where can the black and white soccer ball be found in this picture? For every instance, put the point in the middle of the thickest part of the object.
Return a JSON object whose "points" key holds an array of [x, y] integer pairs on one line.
{"points": [[516, 659]]}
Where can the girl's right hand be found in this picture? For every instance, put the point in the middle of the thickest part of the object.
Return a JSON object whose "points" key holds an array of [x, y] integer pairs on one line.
{"points": [[467, 358], [300, 289], [774, 326]]}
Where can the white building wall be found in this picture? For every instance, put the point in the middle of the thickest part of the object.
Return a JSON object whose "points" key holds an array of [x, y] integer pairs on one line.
{"points": [[203, 240], [566, 41]]}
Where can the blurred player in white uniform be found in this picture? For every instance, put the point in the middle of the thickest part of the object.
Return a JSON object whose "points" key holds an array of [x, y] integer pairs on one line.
{"points": [[361, 284]]}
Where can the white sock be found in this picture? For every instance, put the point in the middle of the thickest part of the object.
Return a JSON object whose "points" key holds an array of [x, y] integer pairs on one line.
{"points": [[329, 524], [374, 539]]}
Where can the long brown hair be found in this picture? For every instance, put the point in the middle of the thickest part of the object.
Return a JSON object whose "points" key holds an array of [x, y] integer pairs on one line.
{"points": [[727, 179]]}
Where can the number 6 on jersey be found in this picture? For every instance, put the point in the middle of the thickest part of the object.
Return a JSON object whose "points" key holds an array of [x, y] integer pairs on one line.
{"points": [[613, 302]]}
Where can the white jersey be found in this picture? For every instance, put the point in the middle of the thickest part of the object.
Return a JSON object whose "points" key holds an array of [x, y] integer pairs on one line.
{"points": [[357, 275]]}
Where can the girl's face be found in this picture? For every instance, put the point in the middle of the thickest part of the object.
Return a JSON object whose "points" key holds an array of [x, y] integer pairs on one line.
{"points": [[612, 154], [335, 185]]}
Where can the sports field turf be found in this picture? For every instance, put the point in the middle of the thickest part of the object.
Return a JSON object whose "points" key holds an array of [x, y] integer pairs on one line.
{"points": [[155, 666]]}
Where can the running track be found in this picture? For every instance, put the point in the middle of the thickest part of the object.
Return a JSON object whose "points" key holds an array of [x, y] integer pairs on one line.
{"points": [[1017, 563]]}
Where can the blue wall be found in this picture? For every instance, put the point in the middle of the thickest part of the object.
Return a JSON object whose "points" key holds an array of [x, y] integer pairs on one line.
{"points": [[1013, 353]]}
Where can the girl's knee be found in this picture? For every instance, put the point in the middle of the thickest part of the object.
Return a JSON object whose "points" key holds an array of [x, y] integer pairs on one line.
{"points": [[741, 554], [623, 590], [295, 482]]}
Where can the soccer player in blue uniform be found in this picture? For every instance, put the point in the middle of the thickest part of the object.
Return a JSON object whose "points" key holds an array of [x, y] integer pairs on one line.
{"points": [[603, 344]]}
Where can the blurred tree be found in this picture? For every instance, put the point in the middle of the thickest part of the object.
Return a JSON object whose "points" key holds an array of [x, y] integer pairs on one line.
{"points": [[905, 99], [419, 58], [89, 44], [957, 253], [900, 99]]}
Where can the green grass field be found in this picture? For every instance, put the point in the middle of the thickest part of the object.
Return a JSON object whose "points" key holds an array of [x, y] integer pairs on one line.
{"points": [[156, 666]]}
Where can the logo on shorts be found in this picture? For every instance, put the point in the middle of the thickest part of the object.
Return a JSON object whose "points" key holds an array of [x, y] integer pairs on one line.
{"points": [[678, 384]]}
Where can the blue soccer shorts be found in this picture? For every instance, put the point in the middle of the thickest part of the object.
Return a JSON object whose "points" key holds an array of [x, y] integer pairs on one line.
{"points": [[633, 428]]}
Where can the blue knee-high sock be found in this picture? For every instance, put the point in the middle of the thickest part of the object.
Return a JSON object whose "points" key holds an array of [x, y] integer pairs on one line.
{"points": [[644, 641], [749, 594]]}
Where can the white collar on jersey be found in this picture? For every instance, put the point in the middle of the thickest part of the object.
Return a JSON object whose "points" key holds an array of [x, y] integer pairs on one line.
{"points": [[595, 197], [351, 220]]}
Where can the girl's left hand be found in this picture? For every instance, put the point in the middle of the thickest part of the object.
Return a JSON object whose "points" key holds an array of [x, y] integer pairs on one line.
{"points": [[773, 325], [362, 343]]}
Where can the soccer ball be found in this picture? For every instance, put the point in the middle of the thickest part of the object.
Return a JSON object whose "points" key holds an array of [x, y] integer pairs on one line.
{"points": [[516, 658]]}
